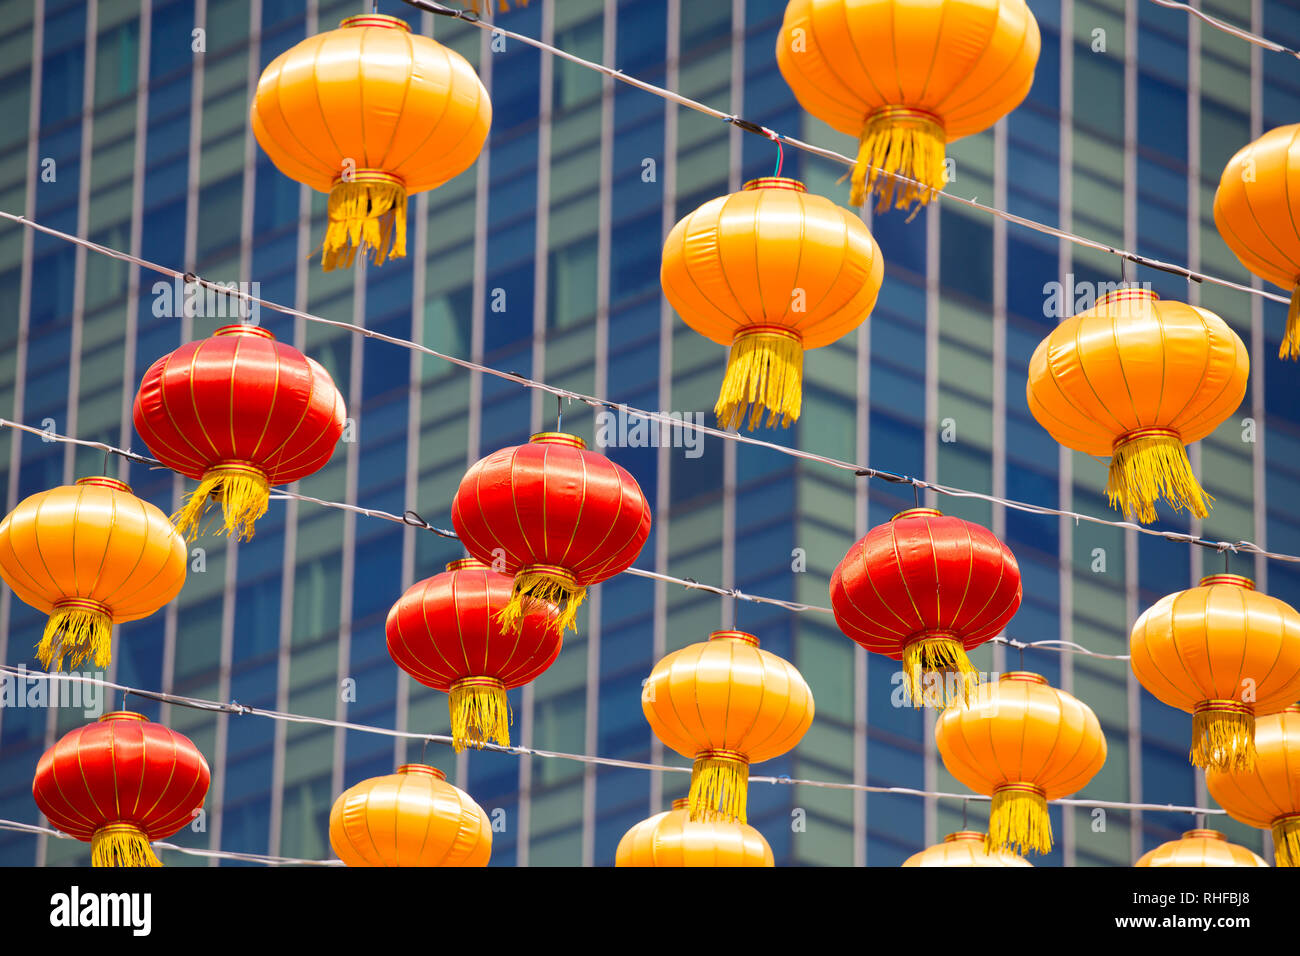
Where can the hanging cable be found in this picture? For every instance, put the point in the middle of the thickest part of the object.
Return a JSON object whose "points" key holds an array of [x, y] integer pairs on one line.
{"points": [[1225, 27]]}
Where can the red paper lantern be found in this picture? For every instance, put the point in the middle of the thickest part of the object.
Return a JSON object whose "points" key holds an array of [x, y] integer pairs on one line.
{"points": [[557, 517], [240, 412], [444, 632], [925, 589], [120, 784]]}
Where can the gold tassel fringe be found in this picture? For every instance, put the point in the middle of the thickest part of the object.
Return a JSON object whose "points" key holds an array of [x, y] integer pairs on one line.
{"points": [[1291, 339], [369, 217], [479, 713], [1150, 467], [899, 141], [1019, 820], [1286, 842], [244, 495], [764, 371], [719, 788], [77, 633], [939, 655], [540, 586], [1223, 740], [121, 845]]}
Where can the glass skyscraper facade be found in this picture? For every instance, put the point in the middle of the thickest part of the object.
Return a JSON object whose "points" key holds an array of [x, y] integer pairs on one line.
{"points": [[126, 121]]}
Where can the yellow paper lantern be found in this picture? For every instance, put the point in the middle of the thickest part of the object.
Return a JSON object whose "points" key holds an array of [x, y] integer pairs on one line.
{"points": [[1200, 848], [964, 848], [671, 839], [1268, 796]]}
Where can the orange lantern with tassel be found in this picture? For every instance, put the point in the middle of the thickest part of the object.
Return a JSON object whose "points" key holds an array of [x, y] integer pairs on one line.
{"points": [[1137, 378], [1224, 653], [770, 271], [1023, 743], [725, 703], [413, 817], [1200, 848], [672, 839], [121, 784], [370, 114], [444, 632], [90, 555], [906, 77], [964, 848], [1268, 796], [1256, 210]]}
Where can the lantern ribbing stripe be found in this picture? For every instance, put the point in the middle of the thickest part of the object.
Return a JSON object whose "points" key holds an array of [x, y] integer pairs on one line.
{"points": [[236, 708]]}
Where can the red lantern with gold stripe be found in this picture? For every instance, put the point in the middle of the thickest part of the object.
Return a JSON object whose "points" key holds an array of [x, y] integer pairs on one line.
{"points": [[557, 517], [240, 412], [444, 632], [924, 589], [120, 784]]}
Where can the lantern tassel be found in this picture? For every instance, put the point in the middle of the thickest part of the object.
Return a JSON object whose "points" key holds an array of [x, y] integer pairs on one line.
{"points": [[1019, 819], [1147, 466], [719, 787], [547, 588], [1291, 340], [1286, 842], [121, 845], [78, 633], [1223, 738], [368, 216], [764, 371], [480, 712], [244, 493], [899, 140], [939, 655]]}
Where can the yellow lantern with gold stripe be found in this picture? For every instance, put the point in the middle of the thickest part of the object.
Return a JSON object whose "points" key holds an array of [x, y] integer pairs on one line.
{"points": [[370, 114], [906, 77], [1199, 848], [726, 703], [672, 839], [89, 555], [964, 848], [1268, 795]]}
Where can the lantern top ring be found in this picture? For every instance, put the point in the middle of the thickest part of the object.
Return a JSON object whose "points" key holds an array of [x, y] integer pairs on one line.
{"points": [[418, 769], [103, 481], [1127, 293], [557, 438], [1205, 835], [775, 182], [242, 329], [918, 513], [374, 20], [1238, 580], [1028, 676], [461, 564], [743, 636], [964, 836], [122, 715], [681, 803]]}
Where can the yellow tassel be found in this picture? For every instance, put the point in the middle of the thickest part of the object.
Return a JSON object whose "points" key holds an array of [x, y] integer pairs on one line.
{"points": [[1223, 737], [121, 844], [547, 588], [764, 371], [1291, 340], [1286, 841], [366, 216], [479, 713], [1150, 465], [939, 655], [78, 632], [1019, 820], [719, 786], [899, 140], [243, 491]]}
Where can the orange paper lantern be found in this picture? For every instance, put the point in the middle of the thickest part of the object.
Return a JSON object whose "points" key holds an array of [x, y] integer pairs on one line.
{"points": [[964, 848], [1268, 796], [1200, 848], [672, 839]]}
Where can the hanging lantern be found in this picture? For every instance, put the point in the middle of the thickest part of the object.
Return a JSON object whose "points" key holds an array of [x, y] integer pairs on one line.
{"points": [[964, 848], [89, 555], [444, 632], [1256, 209], [1267, 797], [1023, 743], [726, 704], [671, 839], [1138, 379], [925, 589], [555, 516], [1223, 652], [906, 77], [120, 784], [370, 114], [413, 817], [1200, 848], [770, 271], [240, 412]]}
